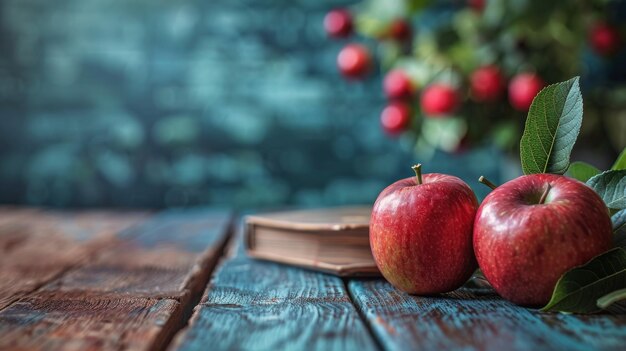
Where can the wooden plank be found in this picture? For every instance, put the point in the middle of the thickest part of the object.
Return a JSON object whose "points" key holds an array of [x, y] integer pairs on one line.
{"points": [[170, 255], [256, 305], [75, 321], [11, 215], [464, 320], [132, 295], [37, 246]]}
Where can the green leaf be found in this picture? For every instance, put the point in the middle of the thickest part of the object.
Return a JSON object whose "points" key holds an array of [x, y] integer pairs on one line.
{"points": [[417, 5], [581, 171], [607, 300], [619, 228], [611, 186], [620, 163], [552, 126], [505, 134], [579, 289], [445, 133]]}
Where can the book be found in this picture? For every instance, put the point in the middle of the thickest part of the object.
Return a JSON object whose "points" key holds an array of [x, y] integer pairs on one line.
{"points": [[333, 240]]}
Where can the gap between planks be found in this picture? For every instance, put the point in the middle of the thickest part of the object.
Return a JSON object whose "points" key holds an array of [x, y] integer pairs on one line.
{"points": [[243, 309], [361, 314], [195, 297]]}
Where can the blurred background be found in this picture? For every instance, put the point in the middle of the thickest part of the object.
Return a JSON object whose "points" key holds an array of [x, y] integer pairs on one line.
{"points": [[137, 103]]}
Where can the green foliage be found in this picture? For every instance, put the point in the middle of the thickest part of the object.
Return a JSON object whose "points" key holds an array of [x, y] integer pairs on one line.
{"points": [[581, 171], [548, 39], [611, 186], [505, 135], [443, 133], [619, 228], [620, 163], [416, 5], [551, 130], [579, 289], [552, 126], [607, 300]]}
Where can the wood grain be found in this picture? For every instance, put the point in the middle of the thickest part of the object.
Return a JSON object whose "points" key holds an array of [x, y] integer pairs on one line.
{"points": [[467, 321], [170, 255], [37, 246], [132, 294], [256, 305], [76, 321]]}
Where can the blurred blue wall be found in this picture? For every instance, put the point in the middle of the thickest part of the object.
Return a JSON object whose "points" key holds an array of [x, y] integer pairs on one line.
{"points": [[154, 103]]}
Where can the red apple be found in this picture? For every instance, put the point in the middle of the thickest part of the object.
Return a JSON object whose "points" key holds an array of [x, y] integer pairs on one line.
{"points": [[487, 84], [396, 118], [439, 100], [354, 61], [523, 89], [604, 39], [398, 85], [531, 230], [338, 23], [421, 233]]}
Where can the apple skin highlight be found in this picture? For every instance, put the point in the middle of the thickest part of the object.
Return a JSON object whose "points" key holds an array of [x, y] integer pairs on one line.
{"points": [[421, 234], [523, 246]]}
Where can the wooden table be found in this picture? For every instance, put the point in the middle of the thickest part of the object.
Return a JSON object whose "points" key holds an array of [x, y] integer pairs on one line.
{"points": [[148, 281]]}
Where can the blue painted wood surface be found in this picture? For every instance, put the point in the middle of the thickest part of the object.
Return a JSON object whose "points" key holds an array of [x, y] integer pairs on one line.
{"points": [[464, 320], [134, 288], [257, 305]]}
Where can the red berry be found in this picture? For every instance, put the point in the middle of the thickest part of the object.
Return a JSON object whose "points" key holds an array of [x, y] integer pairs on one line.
{"points": [[338, 23], [487, 83], [439, 100], [395, 118], [397, 85], [354, 61], [604, 39], [523, 89], [400, 30], [476, 5]]}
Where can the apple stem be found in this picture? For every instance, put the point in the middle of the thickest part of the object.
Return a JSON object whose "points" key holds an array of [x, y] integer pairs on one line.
{"points": [[487, 182], [545, 194], [418, 173]]}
